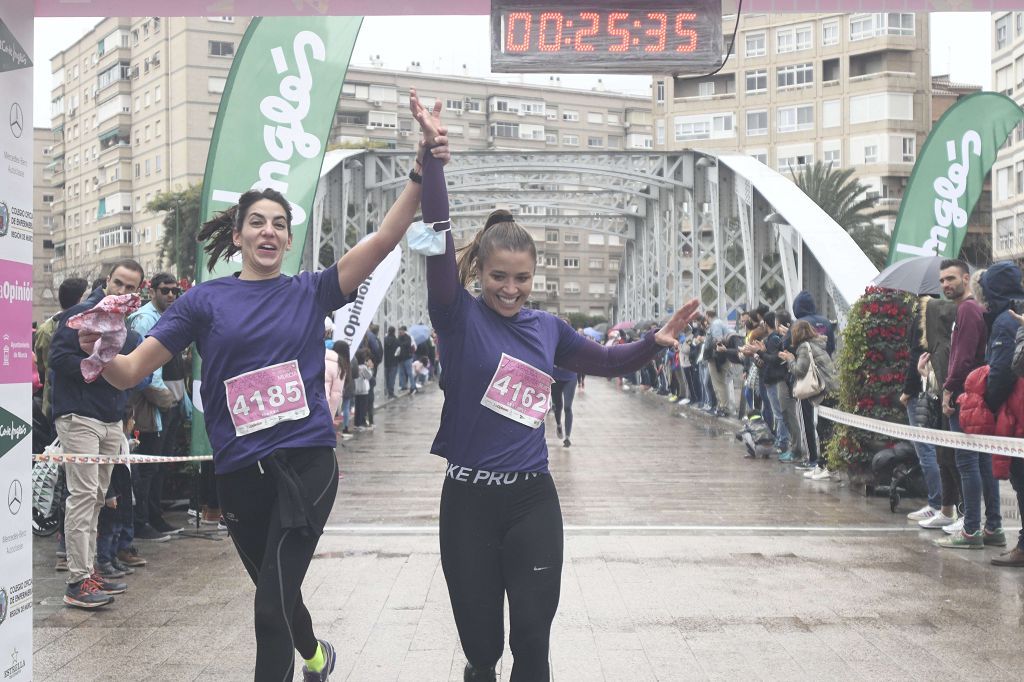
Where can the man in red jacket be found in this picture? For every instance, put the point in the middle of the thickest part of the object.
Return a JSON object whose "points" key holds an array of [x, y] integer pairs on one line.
{"points": [[967, 352]]}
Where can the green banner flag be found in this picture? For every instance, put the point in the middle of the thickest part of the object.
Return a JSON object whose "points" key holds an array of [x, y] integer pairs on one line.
{"points": [[272, 127], [949, 174]]}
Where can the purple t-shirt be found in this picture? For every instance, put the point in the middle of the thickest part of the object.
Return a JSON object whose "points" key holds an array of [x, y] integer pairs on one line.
{"points": [[243, 325], [472, 339]]}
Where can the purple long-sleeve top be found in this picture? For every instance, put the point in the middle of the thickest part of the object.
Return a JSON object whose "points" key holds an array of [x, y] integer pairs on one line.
{"points": [[477, 344]]}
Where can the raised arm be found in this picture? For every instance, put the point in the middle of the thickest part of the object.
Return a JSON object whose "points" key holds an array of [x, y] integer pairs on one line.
{"points": [[361, 260], [610, 361]]}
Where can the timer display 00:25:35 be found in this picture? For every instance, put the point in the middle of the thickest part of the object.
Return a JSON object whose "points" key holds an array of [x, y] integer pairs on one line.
{"points": [[651, 32]]}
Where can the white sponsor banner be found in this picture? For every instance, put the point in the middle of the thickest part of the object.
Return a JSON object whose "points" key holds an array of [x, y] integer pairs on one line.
{"points": [[15, 322], [352, 320]]}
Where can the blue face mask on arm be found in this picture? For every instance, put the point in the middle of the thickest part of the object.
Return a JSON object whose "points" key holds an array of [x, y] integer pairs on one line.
{"points": [[426, 239]]}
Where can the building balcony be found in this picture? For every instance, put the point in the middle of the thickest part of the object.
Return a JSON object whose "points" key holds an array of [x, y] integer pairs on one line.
{"points": [[883, 81], [121, 86], [120, 150], [110, 255]]}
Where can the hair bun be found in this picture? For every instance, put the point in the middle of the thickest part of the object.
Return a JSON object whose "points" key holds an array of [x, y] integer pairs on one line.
{"points": [[500, 215]]}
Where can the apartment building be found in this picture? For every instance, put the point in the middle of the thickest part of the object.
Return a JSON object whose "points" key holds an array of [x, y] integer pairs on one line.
{"points": [[134, 103], [1007, 174], [44, 301], [853, 89], [132, 108]]}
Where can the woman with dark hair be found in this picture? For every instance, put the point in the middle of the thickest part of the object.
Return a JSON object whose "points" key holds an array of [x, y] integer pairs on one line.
{"points": [[266, 412], [500, 521], [809, 345]]}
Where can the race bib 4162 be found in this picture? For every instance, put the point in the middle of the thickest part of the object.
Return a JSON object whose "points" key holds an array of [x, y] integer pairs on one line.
{"points": [[518, 391]]}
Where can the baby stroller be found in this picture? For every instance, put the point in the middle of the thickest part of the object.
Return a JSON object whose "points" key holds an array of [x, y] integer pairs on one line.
{"points": [[757, 438], [897, 471]]}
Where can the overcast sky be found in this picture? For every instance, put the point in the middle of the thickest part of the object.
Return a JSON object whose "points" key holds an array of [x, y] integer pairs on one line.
{"points": [[960, 46]]}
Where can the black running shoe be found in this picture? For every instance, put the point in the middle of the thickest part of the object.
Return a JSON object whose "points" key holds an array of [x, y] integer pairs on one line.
{"points": [[330, 658]]}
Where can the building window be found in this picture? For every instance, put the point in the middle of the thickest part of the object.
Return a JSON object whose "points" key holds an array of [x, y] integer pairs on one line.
{"points": [[692, 130], [453, 104], [659, 131], [909, 149], [794, 75], [596, 264], [830, 33], [571, 264], [502, 129], [755, 45], [757, 81], [757, 123], [659, 92], [214, 85], [794, 163], [571, 238], [785, 40], [571, 140], [706, 89], [594, 117], [572, 287], [595, 141], [791, 119], [551, 236], [613, 264], [871, 153], [221, 48], [551, 261], [1020, 178], [721, 125], [803, 36], [864, 26], [570, 116], [831, 113], [833, 156]]}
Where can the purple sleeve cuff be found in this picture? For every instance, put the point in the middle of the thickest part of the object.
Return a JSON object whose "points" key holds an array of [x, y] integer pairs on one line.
{"points": [[611, 361]]}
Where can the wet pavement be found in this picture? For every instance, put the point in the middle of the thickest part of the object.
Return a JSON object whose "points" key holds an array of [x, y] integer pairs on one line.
{"points": [[683, 560]]}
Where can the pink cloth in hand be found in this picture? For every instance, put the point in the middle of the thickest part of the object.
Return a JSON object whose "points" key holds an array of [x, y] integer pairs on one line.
{"points": [[107, 318]]}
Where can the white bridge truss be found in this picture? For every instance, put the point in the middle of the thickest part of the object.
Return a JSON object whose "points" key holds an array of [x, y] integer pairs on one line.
{"points": [[692, 225]]}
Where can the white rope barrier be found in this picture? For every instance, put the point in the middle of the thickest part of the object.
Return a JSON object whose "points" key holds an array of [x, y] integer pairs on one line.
{"points": [[116, 459], [996, 445]]}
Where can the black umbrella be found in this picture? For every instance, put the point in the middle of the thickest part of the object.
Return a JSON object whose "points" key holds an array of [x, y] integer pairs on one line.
{"points": [[918, 275]]}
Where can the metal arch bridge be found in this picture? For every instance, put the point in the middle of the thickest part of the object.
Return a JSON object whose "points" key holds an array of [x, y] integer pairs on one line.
{"points": [[724, 228]]}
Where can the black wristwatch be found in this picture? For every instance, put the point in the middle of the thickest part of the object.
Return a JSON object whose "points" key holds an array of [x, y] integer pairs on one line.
{"points": [[415, 177]]}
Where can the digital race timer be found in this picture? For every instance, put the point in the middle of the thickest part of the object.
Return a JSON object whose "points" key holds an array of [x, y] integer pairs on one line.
{"points": [[598, 36]]}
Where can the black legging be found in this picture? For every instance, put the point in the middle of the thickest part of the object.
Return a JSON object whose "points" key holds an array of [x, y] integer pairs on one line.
{"points": [[562, 393], [817, 435], [275, 557], [497, 540]]}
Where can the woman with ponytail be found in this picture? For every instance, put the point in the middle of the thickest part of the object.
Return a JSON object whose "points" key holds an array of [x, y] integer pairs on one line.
{"points": [[260, 334], [500, 521]]}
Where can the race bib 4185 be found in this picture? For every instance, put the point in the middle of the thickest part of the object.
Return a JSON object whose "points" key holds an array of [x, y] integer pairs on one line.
{"points": [[518, 391], [259, 399]]}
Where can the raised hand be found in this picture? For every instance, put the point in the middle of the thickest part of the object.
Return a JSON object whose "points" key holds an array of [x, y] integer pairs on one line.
{"points": [[430, 121], [669, 334]]}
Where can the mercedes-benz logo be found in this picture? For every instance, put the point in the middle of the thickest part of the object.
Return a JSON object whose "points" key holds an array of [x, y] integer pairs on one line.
{"points": [[14, 494], [17, 120]]}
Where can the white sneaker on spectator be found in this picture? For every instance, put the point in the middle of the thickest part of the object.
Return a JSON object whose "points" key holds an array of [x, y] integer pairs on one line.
{"points": [[954, 527], [811, 473], [821, 474], [938, 520], [925, 512]]}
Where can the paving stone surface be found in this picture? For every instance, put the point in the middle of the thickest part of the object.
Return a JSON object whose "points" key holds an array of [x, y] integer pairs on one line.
{"points": [[683, 561]]}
